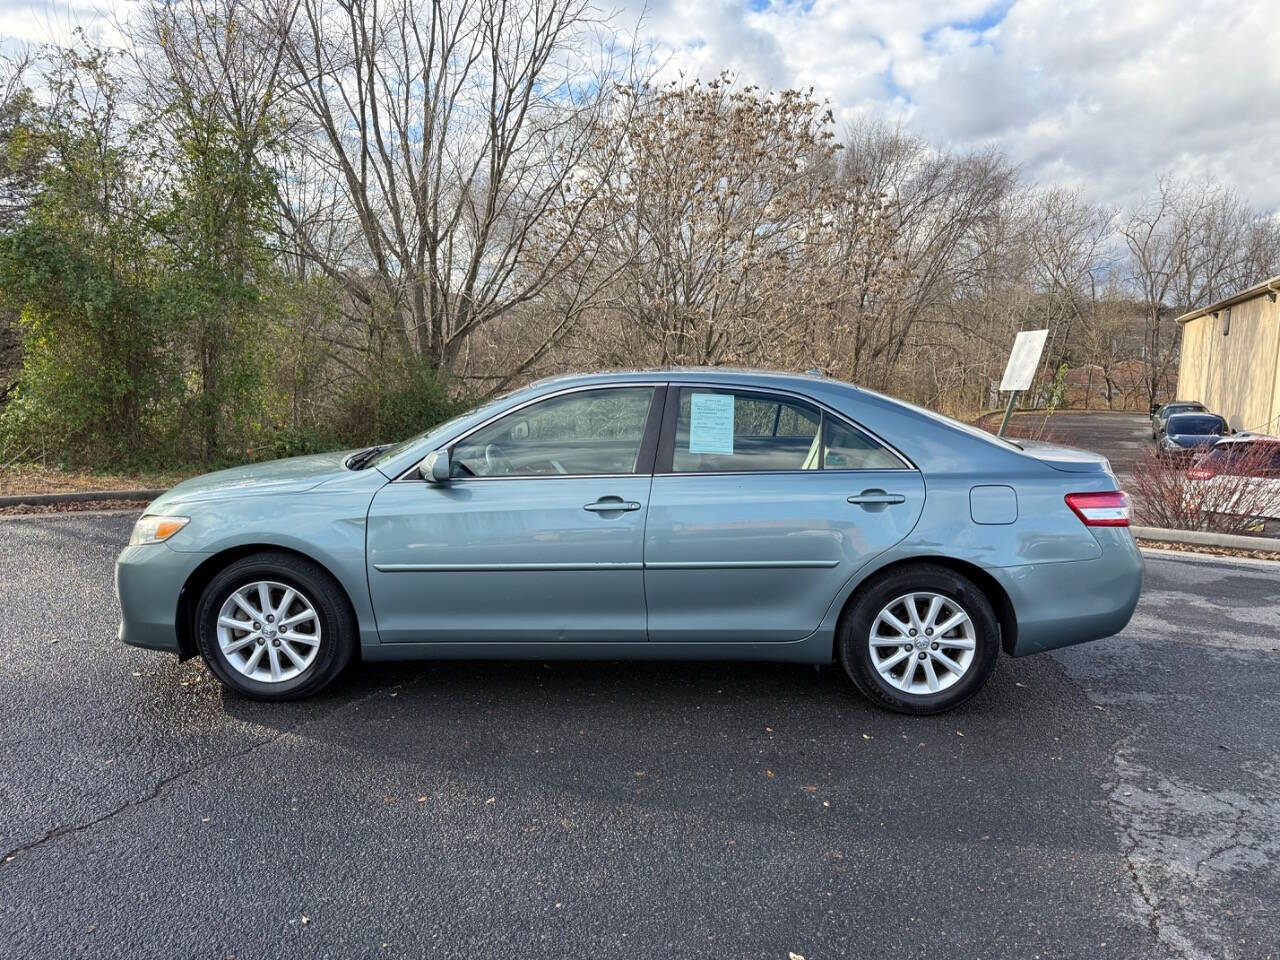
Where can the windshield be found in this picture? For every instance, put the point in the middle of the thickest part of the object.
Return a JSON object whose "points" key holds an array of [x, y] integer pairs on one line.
{"points": [[1191, 424]]}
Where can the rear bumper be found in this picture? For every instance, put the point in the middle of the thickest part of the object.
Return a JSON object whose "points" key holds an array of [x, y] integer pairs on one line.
{"points": [[149, 579], [1061, 604]]}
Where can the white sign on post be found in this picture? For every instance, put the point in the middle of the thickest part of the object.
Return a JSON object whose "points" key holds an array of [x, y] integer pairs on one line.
{"points": [[1024, 358]]}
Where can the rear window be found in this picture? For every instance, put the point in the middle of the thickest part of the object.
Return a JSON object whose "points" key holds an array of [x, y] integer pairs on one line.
{"points": [[1259, 458], [1188, 423], [1172, 408]]}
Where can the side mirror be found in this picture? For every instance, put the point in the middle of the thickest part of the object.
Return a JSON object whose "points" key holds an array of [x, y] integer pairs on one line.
{"points": [[434, 467]]}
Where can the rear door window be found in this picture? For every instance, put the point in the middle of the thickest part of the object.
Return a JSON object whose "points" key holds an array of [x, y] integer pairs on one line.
{"points": [[848, 448], [729, 431], [734, 431]]}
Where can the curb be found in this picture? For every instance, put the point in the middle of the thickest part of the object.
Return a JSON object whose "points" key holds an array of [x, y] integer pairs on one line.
{"points": [[1202, 538], [43, 499]]}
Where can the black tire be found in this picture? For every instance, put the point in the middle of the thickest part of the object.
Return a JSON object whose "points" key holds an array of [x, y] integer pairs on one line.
{"points": [[854, 632], [335, 620]]}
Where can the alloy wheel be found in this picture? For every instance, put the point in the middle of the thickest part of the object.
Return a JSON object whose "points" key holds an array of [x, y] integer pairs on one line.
{"points": [[268, 631], [922, 643]]}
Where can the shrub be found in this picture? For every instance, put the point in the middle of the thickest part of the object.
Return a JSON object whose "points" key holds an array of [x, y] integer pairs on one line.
{"points": [[404, 398], [98, 384]]}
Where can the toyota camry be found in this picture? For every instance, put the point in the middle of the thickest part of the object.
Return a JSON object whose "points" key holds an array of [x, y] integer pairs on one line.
{"points": [[690, 514]]}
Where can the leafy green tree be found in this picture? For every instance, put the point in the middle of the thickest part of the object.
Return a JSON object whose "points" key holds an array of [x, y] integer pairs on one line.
{"points": [[217, 226], [98, 377]]}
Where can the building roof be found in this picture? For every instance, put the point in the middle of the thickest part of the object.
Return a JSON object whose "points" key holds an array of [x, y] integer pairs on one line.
{"points": [[1257, 290]]}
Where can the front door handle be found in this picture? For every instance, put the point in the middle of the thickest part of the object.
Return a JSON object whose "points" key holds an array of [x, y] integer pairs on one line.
{"points": [[874, 497], [612, 505]]}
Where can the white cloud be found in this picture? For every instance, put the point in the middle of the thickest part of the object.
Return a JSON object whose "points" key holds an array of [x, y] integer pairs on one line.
{"points": [[34, 22], [1098, 93]]}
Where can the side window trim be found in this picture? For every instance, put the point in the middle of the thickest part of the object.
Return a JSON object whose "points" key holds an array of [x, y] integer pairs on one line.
{"points": [[648, 441], [644, 459], [647, 457], [665, 459]]}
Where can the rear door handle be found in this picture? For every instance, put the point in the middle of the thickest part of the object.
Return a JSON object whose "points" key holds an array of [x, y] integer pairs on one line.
{"points": [[871, 497], [612, 505]]}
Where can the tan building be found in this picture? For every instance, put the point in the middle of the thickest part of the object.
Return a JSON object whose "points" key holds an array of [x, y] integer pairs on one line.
{"points": [[1231, 358]]}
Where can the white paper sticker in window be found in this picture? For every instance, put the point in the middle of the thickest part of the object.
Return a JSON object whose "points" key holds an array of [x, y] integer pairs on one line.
{"points": [[711, 423]]}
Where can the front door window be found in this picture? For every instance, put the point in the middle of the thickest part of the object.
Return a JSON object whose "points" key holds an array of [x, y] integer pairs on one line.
{"points": [[589, 432]]}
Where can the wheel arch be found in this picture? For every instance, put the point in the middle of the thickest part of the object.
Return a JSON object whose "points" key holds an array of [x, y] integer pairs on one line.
{"points": [[200, 577], [984, 581]]}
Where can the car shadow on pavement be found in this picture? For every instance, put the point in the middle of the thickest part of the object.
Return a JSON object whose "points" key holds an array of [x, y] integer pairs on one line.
{"points": [[721, 736]]}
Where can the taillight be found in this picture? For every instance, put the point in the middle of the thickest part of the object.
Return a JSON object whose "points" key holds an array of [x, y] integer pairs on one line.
{"points": [[1108, 508], [1200, 473]]}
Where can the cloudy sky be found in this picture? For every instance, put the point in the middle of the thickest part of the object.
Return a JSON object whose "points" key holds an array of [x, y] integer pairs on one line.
{"points": [[1104, 94]]}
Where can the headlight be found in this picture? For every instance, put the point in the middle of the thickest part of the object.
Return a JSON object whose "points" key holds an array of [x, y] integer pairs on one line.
{"points": [[156, 529]]}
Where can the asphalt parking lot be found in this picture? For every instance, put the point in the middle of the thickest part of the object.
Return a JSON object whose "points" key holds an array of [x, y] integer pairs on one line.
{"points": [[1119, 799]]}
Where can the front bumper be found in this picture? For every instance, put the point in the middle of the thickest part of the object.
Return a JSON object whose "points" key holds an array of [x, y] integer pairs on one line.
{"points": [[1181, 454], [1061, 604], [149, 580]]}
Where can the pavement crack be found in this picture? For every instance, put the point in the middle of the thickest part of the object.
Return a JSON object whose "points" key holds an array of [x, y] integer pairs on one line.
{"points": [[158, 788], [1233, 841], [154, 793], [1151, 901]]}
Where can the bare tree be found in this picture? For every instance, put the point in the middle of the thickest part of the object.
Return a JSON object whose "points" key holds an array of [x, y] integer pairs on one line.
{"points": [[21, 157], [1189, 244], [716, 215], [446, 133], [939, 203], [1068, 242]]}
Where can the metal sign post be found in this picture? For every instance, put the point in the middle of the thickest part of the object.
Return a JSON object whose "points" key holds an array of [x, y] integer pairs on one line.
{"points": [[1008, 411], [1020, 371]]}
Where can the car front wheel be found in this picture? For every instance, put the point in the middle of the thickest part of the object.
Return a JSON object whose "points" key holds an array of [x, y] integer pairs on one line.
{"points": [[920, 639], [275, 626]]}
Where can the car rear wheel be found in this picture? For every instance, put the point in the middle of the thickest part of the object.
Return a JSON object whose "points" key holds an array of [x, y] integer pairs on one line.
{"points": [[920, 639], [275, 626]]}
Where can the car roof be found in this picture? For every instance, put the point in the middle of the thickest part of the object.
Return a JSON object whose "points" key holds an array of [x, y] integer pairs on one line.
{"points": [[1249, 438], [736, 375], [1198, 414]]}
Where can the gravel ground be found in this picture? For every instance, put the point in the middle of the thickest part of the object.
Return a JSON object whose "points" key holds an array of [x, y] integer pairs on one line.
{"points": [[1118, 799], [74, 506]]}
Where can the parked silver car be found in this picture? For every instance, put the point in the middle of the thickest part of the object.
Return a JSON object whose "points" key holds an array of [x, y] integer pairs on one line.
{"points": [[692, 514]]}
